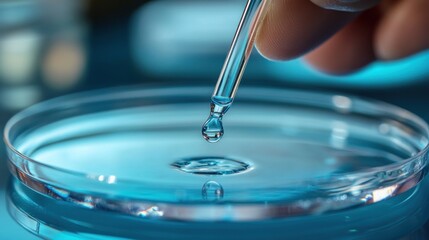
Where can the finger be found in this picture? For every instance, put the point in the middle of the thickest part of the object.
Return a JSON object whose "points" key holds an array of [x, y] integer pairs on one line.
{"points": [[346, 5], [293, 27], [404, 30], [350, 49]]}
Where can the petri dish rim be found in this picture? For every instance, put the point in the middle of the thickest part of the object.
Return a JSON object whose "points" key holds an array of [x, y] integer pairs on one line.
{"points": [[300, 97]]}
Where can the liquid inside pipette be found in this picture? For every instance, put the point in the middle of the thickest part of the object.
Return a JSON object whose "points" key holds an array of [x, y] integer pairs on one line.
{"points": [[233, 70]]}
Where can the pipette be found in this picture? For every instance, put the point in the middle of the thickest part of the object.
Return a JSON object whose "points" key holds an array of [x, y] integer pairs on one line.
{"points": [[233, 69]]}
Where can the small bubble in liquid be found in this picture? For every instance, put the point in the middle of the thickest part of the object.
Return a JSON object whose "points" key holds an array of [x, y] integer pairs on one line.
{"points": [[213, 130], [212, 191]]}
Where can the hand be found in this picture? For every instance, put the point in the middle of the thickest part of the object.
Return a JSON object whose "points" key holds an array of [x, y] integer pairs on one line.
{"points": [[342, 36]]}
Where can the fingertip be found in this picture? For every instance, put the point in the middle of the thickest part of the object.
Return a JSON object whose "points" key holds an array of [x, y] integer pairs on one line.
{"points": [[292, 28], [337, 65], [329, 69], [403, 31], [349, 50], [270, 51], [275, 39]]}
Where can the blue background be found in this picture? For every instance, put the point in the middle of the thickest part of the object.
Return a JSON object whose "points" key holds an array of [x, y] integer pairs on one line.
{"points": [[52, 48]]}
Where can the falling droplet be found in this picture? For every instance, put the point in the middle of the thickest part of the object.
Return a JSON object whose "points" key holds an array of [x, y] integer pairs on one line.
{"points": [[212, 191]]}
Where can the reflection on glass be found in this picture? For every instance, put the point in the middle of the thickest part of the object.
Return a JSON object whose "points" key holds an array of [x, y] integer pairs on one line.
{"points": [[62, 220]]}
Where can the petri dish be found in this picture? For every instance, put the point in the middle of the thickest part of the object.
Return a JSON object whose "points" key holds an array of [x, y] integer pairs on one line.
{"points": [[346, 166]]}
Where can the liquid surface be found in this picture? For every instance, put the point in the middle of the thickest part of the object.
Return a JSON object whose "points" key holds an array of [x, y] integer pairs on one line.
{"points": [[136, 145], [211, 166]]}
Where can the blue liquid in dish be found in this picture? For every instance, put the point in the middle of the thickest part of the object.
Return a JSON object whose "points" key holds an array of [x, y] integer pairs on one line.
{"points": [[341, 173], [286, 145]]}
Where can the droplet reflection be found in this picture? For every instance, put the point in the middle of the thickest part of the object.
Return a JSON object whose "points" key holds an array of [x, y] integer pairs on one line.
{"points": [[212, 191]]}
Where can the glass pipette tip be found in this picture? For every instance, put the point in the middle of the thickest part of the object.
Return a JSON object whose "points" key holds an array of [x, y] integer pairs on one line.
{"points": [[233, 69]]}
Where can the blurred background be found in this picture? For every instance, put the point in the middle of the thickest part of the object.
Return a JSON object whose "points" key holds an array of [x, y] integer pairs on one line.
{"points": [[50, 48]]}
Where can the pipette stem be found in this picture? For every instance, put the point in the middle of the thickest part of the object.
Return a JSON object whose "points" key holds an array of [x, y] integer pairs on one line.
{"points": [[240, 51]]}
